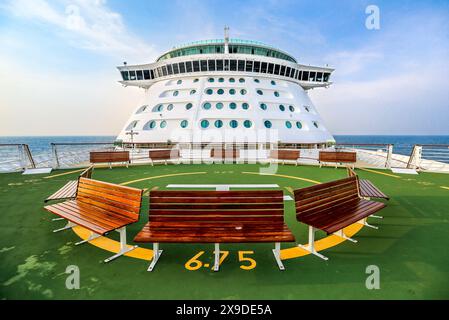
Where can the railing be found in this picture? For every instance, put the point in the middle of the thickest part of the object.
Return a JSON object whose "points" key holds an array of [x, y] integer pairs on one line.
{"points": [[429, 157], [71, 155], [424, 157], [376, 155]]}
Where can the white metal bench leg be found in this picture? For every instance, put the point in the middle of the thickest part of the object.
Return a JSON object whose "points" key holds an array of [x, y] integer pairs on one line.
{"points": [[341, 234], [377, 217], [156, 255], [363, 221], [57, 219], [124, 248], [217, 257], [92, 236], [277, 255], [69, 225], [311, 246]]}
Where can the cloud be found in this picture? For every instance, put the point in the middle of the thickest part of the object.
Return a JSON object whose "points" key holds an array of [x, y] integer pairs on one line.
{"points": [[86, 24]]}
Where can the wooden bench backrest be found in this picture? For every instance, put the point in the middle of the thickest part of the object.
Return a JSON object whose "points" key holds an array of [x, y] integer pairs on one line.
{"points": [[337, 156], [225, 153], [284, 154], [195, 207], [164, 154], [87, 173], [109, 156], [122, 200], [311, 200]]}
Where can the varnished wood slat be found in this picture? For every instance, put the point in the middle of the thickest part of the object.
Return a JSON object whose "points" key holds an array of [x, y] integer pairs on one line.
{"points": [[216, 194], [211, 235], [164, 154], [285, 154], [265, 208], [337, 156], [68, 191], [109, 156]]}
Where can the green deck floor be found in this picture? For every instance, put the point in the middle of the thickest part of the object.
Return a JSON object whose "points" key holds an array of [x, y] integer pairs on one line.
{"points": [[410, 247]]}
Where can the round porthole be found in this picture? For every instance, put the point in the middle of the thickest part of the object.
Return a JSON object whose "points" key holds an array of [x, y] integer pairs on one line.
{"points": [[259, 92], [291, 108], [204, 124], [263, 106], [211, 80], [288, 124], [267, 124], [232, 80], [233, 105], [209, 91], [220, 91], [243, 92], [245, 106], [276, 94], [163, 124], [241, 80], [189, 106], [170, 107], [218, 123], [281, 107], [247, 124], [175, 93], [273, 82], [233, 124], [193, 91], [219, 105], [315, 124], [256, 80], [298, 125], [232, 91], [220, 79], [207, 106], [184, 123]]}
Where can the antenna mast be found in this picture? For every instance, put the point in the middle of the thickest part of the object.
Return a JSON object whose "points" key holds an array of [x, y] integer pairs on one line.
{"points": [[226, 39]]}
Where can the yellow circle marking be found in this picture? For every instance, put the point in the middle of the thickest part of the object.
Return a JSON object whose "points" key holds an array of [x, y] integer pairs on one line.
{"points": [[447, 188], [283, 176], [63, 174], [379, 172], [162, 176], [147, 254]]}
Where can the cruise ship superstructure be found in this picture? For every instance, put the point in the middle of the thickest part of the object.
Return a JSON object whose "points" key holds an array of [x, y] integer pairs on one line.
{"points": [[226, 91]]}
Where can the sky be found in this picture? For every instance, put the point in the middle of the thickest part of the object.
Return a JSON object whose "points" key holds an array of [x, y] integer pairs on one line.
{"points": [[58, 58]]}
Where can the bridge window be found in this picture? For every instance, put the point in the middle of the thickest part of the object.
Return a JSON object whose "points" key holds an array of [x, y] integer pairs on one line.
{"points": [[233, 65], [132, 75], [305, 76], [249, 66], [182, 68], [256, 66], [195, 80], [146, 74], [270, 68], [189, 66], [241, 65], [219, 65], [211, 65], [203, 64], [125, 75], [196, 66], [139, 74], [175, 68], [263, 67]]}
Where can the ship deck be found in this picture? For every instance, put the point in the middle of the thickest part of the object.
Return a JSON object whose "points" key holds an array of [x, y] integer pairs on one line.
{"points": [[409, 248]]}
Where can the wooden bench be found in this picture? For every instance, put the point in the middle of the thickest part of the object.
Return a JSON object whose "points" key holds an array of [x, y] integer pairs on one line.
{"points": [[110, 157], [331, 207], [225, 154], [290, 155], [337, 157], [215, 217], [367, 189], [163, 155], [68, 191], [101, 207]]}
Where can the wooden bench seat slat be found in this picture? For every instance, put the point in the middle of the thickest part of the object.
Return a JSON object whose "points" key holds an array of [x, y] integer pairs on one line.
{"points": [[225, 207], [367, 188], [285, 154], [216, 194], [204, 200], [214, 235], [68, 191]]}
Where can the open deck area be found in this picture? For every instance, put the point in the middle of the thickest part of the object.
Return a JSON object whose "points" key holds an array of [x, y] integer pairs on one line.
{"points": [[409, 248]]}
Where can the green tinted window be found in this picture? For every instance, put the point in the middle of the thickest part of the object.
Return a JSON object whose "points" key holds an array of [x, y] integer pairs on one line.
{"points": [[233, 123], [247, 124], [218, 123], [204, 124], [184, 123]]}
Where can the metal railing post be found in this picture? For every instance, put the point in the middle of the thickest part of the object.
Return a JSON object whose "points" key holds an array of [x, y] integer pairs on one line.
{"points": [[55, 156], [389, 156]]}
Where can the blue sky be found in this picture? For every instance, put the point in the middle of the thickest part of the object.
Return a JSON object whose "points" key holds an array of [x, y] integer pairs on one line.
{"points": [[58, 58]]}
